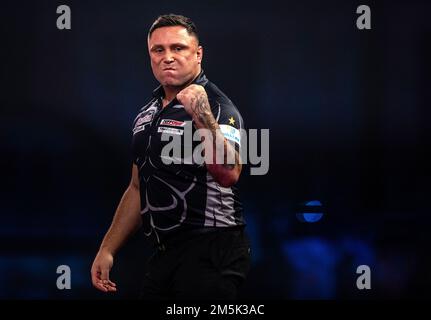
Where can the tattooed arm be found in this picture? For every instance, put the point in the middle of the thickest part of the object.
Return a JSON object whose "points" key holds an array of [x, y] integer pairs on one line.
{"points": [[221, 158]]}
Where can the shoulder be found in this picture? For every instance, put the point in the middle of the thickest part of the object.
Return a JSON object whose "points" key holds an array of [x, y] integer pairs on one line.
{"points": [[224, 110], [146, 113], [148, 105], [217, 98], [216, 95]]}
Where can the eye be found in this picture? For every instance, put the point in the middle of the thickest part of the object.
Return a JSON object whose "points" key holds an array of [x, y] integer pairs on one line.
{"points": [[177, 49], [158, 50]]}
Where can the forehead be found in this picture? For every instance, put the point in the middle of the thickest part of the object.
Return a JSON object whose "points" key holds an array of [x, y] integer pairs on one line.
{"points": [[172, 34]]}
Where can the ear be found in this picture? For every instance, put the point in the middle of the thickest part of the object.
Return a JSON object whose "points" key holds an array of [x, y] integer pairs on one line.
{"points": [[200, 54]]}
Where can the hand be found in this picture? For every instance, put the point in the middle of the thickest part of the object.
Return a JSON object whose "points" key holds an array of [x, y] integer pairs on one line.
{"points": [[100, 272], [195, 101]]}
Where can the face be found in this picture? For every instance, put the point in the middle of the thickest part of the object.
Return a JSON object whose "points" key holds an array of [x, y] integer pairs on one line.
{"points": [[175, 56]]}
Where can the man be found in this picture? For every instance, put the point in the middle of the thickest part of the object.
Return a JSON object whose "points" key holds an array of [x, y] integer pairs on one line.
{"points": [[191, 210]]}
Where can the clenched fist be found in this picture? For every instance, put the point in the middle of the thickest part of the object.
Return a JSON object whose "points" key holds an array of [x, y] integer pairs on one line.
{"points": [[195, 102]]}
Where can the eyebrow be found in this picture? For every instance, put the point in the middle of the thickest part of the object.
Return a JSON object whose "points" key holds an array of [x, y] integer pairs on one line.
{"points": [[176, 44]]}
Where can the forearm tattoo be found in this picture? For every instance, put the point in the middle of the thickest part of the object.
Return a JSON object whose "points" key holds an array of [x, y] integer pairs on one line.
{"points": [[203, 115]]}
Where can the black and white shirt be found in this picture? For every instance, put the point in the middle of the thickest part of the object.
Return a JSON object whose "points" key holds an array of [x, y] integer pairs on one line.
{"points": [[183, 193]]}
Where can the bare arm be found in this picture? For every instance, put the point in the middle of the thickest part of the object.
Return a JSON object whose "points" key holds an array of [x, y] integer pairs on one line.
{"points": [[127, 218], [127, 221], [196, 103], [224, 172]]}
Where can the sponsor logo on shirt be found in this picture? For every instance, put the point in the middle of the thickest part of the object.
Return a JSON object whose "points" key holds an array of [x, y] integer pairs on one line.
{"points": [[172, 123], [170, 131], [142, 121], [231, 133], [147, 118]]}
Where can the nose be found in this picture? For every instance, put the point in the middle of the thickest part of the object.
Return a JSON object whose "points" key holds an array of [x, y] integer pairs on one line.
{"points": [[169, 57]]}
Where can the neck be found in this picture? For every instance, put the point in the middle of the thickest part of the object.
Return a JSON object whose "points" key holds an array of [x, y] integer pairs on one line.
{"points": [[171, 92]]}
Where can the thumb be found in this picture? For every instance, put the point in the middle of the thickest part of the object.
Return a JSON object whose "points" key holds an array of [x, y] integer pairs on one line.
{"points": [[179, 96]]}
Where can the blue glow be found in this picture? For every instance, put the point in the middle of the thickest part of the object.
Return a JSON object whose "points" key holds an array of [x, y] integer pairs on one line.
{"points": [[312, 262], [313, 203], [312, 217]]}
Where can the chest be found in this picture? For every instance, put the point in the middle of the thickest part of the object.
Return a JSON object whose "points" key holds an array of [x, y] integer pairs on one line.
{"points": [[155, 127]]}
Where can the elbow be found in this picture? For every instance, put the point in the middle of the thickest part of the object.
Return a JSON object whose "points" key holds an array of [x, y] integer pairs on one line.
{"points": [[223, 176], [228, 180], [227, 184]]}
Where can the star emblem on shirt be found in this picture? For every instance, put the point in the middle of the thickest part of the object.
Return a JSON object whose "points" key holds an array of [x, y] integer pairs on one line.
{"points": [[231, 121]]}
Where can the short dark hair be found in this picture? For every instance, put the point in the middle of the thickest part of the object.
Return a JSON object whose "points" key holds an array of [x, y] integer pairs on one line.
{"points": [[170, 20]]}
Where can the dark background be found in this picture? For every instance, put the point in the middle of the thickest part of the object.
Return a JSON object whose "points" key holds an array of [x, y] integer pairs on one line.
{"points": [[348, 113]]}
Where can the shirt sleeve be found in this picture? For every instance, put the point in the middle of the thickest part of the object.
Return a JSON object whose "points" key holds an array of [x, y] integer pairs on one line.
{"points": [[230, 122]]}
